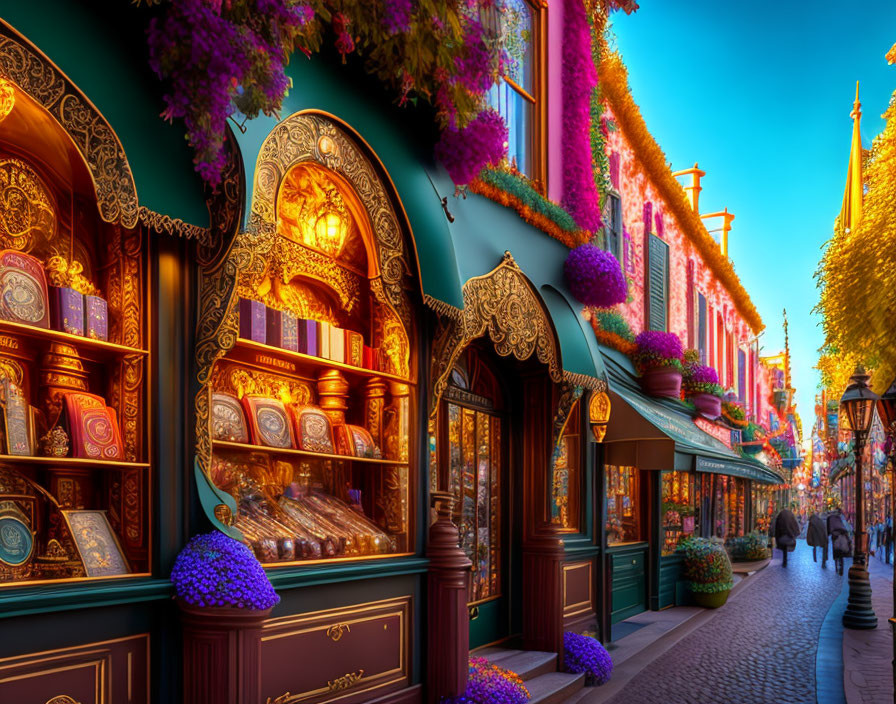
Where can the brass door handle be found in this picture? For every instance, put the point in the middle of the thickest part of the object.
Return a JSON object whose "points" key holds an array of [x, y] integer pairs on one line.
{"points": [[474, 612]]}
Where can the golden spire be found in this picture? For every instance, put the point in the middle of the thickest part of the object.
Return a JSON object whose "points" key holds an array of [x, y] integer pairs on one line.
{"points": [[851, 212]]}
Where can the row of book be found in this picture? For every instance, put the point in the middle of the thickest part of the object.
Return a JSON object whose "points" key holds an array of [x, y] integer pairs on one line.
{"points": [[280, 328], [26, 298]]}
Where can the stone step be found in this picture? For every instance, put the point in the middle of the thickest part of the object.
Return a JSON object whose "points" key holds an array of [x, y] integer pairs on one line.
{"points": [[581, 696], [528, 664], [493, 655], [554, 687]]}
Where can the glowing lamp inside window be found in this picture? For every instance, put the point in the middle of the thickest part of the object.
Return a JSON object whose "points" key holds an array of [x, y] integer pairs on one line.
{"points": [[7, 98], [330, 232]]}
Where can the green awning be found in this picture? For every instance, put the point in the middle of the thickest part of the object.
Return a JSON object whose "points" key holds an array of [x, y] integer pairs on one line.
{"points": [[660, 434]]}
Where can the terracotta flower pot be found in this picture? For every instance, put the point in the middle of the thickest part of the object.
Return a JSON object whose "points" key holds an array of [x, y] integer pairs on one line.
{"points": [[221, 653], [662, 381], [711, 601], [707, 405]]}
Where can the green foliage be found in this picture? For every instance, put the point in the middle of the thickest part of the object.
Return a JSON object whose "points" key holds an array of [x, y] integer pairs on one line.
{"points": [[749, 547], [520, 187], [614, 322], [705, 562]]}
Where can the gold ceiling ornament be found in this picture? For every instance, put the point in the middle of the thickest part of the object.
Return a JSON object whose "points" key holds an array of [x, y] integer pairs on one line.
{"points": [[27, 214], [36, 76], [312, 211], [7, 98]]}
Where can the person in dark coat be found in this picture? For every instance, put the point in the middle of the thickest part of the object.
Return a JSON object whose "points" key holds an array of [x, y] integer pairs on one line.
{"points": [[841, 545], [786, 531], [817, 537]]}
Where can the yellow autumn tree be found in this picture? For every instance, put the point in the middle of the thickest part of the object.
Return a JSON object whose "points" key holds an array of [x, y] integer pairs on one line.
{"points": [[857, 276]]}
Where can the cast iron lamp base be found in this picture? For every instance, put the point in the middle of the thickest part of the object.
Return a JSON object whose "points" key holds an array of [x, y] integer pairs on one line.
{"points": [[859, 614]]}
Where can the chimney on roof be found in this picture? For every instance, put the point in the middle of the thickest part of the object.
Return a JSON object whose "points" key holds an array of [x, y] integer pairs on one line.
{"points": [[693, 191], [724, 229]]}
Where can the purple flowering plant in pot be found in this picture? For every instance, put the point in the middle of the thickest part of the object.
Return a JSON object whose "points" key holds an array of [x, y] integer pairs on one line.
{"points": [[594, 277], [701, 385], [583, 653], [657, 358], [490, 684], [214, 571]]}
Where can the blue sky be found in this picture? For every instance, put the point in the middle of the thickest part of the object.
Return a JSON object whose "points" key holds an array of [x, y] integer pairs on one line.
{"points": [[759, 93]]}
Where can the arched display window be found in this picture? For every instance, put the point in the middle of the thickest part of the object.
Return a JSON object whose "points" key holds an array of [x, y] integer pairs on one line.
{"points": [[75, 475], [305, 417]]}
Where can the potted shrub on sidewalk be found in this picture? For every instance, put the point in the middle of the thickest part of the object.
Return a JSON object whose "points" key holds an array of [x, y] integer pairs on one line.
{"points": [[701, 386], [708, 569], [657, 358], [750, 547], [583, 653], [224, 596]]}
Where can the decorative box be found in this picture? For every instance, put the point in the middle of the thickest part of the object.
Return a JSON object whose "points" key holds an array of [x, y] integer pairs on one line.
{"points": [[93, 427], [289, 331], [96, 543], [337, 344], [362, 442], [345, 444], [372, 358], [228, 419], [23, 289], [268, 423], [67, 310], [354, 348], [313, 430], [309, 336], [17, 421], [253, 320], [96, 318]]}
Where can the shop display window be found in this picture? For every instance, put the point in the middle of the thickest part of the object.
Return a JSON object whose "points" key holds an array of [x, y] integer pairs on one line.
{"points": [[763, 507], [566, 475], [623, 505], [678, 512], [472, 417], [730, 506], [75, 474], [312, 408]]}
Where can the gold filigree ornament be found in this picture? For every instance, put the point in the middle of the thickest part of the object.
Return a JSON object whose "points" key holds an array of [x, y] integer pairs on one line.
{"points": [[55, 443], [27, 214], [7, 98], [69, 274], [63, 699]]}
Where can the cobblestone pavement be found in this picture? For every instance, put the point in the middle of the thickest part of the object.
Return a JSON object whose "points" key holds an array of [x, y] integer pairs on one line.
{"points": [[758, 649]]}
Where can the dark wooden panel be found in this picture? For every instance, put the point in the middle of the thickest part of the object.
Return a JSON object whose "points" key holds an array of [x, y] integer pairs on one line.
{"points": [[629, 583], [359, 652], [578, 588], [108, 672], [670, 572]]}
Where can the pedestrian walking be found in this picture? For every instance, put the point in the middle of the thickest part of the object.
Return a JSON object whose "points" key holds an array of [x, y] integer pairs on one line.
{"points": [[841, 545], [817, 537], [786, 531]]}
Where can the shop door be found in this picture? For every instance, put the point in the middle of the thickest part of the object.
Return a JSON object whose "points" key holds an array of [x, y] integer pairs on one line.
{"points": [[475, 463]]}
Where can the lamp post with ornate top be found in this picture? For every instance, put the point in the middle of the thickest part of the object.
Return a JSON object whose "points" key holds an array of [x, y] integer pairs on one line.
{"points": [[857, 404]]}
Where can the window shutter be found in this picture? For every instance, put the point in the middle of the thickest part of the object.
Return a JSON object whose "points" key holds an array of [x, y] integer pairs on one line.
{"points": [[613, 229], [691, 294], [741, 377], [657, 284], [614, 169], [701, 328]]}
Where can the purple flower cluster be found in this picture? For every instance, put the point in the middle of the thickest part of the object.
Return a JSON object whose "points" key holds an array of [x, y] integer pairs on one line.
{"points": [[594, 276], [586, 654], [489, 684], [215, 570], [466, 151], [654, 348], [579, 79], [397, 15], [475, 67], [213, 55], [702, 374]]}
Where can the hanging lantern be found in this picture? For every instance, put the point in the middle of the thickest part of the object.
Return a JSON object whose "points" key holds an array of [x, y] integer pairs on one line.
{"points": [[599, 415]]}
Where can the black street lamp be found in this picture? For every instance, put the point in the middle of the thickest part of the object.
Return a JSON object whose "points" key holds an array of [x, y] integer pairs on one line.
{"points": [[857, 404], [886, 411]]}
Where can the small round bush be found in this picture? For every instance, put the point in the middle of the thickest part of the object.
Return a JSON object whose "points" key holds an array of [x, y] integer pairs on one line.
{"points": [[594, 276], [215, 570], [585, 654]]}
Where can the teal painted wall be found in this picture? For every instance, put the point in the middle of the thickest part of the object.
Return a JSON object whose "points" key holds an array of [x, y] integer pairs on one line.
{"points": [[101, 47]]}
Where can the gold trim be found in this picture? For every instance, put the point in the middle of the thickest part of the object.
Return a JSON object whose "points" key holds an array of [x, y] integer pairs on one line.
{"points": [[38, 77], [175, 227], [334, 560], [504, 304], [591, 383], [246, 447], [71, 461], [519, 89], [442, 308], [85, 343]]}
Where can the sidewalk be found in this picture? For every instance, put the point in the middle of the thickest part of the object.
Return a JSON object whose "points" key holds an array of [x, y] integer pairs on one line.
{"points": [[867, 655], [653, 633]]}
